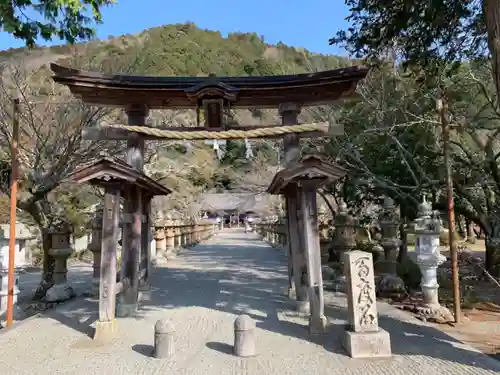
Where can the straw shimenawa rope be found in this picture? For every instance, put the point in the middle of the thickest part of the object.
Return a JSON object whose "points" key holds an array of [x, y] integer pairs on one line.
{"points": [[322, 127]]}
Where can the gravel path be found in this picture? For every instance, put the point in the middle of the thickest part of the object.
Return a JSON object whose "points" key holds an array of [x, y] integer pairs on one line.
{"points": [[202, 292]]}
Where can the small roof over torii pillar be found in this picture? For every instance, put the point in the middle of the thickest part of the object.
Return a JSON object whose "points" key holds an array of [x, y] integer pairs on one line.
{"points": [[311, 172], [110, 172]]}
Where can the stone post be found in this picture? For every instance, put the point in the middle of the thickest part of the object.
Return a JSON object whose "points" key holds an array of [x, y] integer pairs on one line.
{"points": [[389, 283], [363, 337], [178, 233], [244, 336], [164, 339], [428, 257], [160, 238], [169, 238], [95, 247]]}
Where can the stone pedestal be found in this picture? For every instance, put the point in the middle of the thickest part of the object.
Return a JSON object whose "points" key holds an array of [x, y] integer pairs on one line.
{"points": [[428, 257], [363, 337]]}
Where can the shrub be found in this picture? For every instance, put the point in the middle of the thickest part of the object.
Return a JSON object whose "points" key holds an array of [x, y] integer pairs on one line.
{"points": [[410, 273], [369, 247]]}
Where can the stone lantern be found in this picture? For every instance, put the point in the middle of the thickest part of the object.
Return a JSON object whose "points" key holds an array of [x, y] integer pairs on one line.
{"points": [[60, 250], [344, 235], [390, 284], [389, 223], [21, 258], [428, 257], [95, 246]]}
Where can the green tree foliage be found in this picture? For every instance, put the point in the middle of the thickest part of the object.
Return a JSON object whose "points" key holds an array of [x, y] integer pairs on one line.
{"points": [[424, 33], [68, 20]]}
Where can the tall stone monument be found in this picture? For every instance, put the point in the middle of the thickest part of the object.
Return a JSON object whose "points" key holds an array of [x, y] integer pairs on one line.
{"points": [[363, 337]]}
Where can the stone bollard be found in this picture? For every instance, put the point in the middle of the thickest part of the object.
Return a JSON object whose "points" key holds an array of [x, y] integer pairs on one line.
{"points": [[244, 336], [164, 339]]}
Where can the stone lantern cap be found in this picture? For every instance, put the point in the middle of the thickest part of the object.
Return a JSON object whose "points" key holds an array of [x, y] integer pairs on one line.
{"points": [[309, 171], [60, 227], [343, 218], [428, 221], [22, 232], [390, 215]]}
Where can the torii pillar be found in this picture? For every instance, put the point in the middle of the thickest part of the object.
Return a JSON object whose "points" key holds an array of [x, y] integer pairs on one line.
{"points": [[136, 217], [299, 184], [297, 264]]}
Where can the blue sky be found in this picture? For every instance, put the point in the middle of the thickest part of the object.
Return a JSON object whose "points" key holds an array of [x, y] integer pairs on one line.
{"points": [[308, 25]]}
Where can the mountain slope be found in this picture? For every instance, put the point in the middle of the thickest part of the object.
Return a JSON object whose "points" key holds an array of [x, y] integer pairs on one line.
{"points": [[182, 50]]}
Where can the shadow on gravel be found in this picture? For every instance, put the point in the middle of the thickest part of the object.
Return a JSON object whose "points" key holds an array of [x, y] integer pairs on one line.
{"points": [[220, 347], [145, 350], [252, 280]]}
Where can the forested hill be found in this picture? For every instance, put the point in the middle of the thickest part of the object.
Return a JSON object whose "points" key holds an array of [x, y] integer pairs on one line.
{"points": [[189, 169], [186, 50]]}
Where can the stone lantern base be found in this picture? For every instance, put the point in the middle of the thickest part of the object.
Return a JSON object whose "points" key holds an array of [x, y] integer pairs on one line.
{"points": [[435, 314], [389, 285]]}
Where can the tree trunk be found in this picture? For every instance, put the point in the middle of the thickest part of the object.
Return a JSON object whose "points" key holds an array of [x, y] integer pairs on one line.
{"points": [[491, 10], [492, 244], [48, 266], [327, 202], [461, 227], [471, 235], [403, 248], [492, 259]]}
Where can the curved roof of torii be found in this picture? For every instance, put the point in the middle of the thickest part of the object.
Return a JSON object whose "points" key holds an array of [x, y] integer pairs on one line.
{"points": [[184, 92]]}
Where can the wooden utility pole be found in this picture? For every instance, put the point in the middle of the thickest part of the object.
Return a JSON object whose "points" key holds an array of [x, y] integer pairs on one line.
{"points": [[13, 207], [442, 107]]}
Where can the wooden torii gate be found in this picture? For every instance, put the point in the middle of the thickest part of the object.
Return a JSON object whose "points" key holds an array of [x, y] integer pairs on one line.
{"points": [[215, 96]]}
